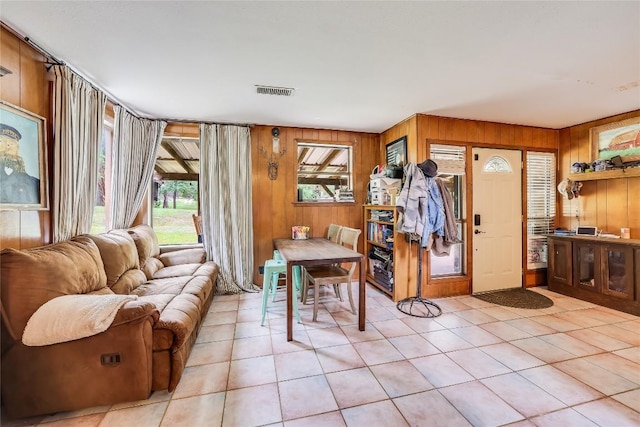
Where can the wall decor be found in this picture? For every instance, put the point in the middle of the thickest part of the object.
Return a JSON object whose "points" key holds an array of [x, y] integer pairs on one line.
{"points": [[616, 139], [397, 152], [23, 160]]}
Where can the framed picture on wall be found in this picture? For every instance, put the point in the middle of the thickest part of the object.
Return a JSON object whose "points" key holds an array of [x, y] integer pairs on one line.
{"points": [[616, 139], [397, 152], [23, 160]]}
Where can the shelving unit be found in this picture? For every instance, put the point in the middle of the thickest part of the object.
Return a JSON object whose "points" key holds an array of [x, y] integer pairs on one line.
{"points": [[379, 239], [610, 174]]}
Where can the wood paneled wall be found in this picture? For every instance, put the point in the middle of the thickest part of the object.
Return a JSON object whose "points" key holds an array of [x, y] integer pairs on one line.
{"points": [[422, 130], [607, 204], [275, 206], [28, 88]]}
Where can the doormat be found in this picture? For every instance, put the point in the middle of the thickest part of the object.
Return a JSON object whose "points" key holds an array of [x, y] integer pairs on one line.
{"points": [[517, 298]]}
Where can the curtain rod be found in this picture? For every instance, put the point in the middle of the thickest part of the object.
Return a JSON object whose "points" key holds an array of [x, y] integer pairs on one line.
{"points": [[195, 122]]}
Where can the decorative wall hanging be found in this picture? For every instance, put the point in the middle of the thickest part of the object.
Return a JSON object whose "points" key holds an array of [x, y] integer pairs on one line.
{"points": [[273, 159], [616, 139], [23, 160]]}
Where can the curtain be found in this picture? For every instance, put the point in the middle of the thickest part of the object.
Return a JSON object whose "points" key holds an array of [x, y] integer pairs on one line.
{"points": [[226, 207], [135, 146], [78, 120]]}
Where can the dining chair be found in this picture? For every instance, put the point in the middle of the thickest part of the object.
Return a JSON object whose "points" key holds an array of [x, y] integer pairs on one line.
{"points": [[197, 223], [333, 274], [333, 234], [273, 268]]}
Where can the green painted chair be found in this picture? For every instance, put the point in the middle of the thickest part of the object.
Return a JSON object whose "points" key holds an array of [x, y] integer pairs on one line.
{"points": [[273, 268]]}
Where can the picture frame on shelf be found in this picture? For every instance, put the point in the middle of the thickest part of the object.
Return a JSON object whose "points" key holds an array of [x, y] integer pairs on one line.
{"points": [[620, 138], [23, 159]]}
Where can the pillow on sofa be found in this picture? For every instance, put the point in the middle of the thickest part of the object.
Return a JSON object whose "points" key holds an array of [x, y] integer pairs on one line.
{"points": [[148, 249], [32, 277], [120, 258]]}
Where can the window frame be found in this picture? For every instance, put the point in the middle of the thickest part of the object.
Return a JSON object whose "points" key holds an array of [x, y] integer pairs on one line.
{"points": [[161, 175], [350, 170], [460, 205]]}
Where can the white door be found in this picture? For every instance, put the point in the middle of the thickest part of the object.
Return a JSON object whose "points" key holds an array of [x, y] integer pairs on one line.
{"points": [[497, 219]]}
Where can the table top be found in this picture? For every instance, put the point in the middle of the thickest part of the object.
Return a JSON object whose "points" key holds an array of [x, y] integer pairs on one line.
{"points": [[316, 251]]}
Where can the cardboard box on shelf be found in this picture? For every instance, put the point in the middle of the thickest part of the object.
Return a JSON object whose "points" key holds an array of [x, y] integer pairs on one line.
{"points": [[385, 183]]}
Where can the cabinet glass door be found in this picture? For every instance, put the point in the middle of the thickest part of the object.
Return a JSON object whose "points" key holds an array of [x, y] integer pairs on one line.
{"points": [[618, 271], [587, 266]]}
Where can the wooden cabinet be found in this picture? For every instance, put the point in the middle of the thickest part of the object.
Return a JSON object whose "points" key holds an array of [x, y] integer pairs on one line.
{"points": [[586, 266], [617, 271], [560, 261], [600, 270], [379, 240]]}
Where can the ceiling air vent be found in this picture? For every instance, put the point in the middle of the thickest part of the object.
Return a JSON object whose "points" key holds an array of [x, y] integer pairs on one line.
{"points": [[273, 90]]}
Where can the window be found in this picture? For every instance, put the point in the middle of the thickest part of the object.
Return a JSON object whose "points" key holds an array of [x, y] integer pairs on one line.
{"points": [[174, 203], [175, 191], [100, 223], [496, 164], [451, 169], [325, 172], [541, 206]]}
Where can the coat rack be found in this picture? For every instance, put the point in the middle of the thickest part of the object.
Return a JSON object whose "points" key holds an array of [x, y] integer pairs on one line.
{"points": [[418, 306]]}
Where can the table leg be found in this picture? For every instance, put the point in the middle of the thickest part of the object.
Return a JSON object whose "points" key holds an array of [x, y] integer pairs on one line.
{"points": [[362, 295], [289, 301]]}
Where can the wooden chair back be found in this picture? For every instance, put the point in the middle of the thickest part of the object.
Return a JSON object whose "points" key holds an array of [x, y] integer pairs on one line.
{"points": [[349, 237], [334, 232], [197, 223]]}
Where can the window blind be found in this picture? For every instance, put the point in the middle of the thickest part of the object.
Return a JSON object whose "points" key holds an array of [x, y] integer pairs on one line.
{"points": [[541, 206], [450, 159]]}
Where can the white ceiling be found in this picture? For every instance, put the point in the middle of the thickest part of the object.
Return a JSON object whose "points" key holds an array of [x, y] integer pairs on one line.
{"points": [[355, 65]]}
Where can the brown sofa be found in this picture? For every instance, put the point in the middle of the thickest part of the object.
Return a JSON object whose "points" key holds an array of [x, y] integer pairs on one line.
{"points": [[145, 348]]}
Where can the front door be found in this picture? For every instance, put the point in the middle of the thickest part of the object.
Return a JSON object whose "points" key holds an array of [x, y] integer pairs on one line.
{"points": [[497, 219]]}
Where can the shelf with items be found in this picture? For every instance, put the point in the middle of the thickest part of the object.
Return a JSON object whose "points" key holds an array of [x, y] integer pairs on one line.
{"points": [[610, 174], [380, 248]]}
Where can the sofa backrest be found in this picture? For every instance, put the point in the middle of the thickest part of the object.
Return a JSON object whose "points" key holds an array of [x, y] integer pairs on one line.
{"points": [[148, 249], [121, 262], [29, 278]]}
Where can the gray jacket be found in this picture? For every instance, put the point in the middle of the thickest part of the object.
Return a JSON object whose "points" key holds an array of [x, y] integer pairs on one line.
{"points": [[412, 203]]}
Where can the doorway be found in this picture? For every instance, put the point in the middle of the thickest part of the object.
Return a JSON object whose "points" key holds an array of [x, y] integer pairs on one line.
{"points": [[497, 219]]}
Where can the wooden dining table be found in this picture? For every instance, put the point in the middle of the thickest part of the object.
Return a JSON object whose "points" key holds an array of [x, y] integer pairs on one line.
{"points": [[318, 251]]}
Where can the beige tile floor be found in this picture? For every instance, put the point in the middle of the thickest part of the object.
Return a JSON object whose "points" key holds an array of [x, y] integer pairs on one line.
{"points": [[574, 364]]}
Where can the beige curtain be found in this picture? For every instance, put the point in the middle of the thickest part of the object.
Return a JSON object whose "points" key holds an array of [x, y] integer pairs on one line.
{"points": [[225, 200], [135, 146], [78, 120]]}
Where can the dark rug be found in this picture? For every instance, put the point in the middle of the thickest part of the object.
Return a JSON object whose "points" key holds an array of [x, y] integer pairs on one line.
{"points": [[518, 298]]}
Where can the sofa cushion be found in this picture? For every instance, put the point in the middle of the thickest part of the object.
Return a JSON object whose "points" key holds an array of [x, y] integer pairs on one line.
{"points": [[121, 262], [31, 277], [182, 256], [180, 301], [148, 249]]}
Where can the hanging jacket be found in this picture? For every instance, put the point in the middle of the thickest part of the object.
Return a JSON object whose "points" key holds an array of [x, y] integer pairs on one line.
{"points": [[442, 244], [412, 203], [435, 214], [450, 226]]}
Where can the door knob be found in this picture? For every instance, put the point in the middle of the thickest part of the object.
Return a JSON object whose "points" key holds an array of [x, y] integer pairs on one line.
{"points": [[479, 232]]}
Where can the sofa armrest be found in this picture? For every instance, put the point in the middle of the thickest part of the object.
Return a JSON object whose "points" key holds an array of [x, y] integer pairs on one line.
{"points": [[134, 310], [184, 256], [113, 366]]}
